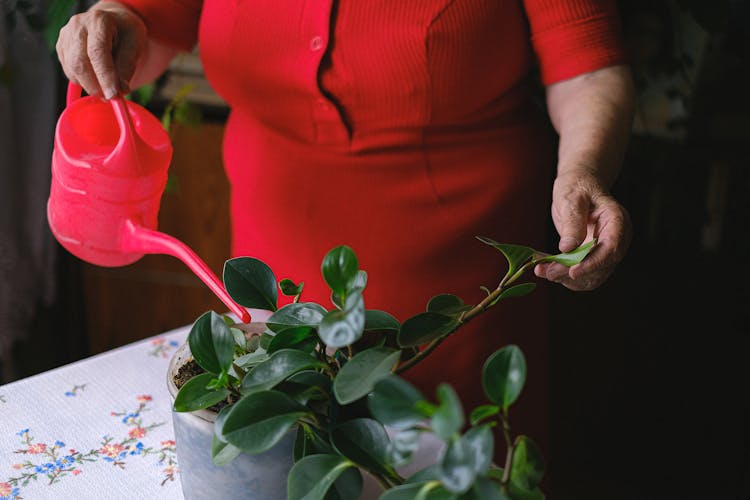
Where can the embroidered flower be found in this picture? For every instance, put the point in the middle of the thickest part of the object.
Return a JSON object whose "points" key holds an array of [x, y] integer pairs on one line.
{"points": [[144, 398], [45, 468], [136, 432], [130, 418], [76, 472], [157, 341], [70, 393], [5, 490], [59, 444], [22, 432], [18, 466], [174, 343], [170, 470], [136, 449], [168, 443], [111, 450], [36, 449], [65, 461]]}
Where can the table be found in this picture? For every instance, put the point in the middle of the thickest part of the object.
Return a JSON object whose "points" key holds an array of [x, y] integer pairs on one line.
{"points": [[99, 428]]}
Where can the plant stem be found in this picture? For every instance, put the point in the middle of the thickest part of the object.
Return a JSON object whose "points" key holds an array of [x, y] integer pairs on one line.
{"points": [[509, 445], [466, 317]]}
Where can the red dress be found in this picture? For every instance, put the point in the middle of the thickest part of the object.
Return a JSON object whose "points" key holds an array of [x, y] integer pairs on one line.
{"points": [[402, 128]]}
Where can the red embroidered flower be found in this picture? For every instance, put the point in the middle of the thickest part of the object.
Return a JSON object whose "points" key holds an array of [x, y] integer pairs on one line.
{"points": [[5, 490], [76, 472], [143, 398], [157, 342], [18, 466], [168, 443], [36, 449], [111, 450], [170, 470], [137, 432]]}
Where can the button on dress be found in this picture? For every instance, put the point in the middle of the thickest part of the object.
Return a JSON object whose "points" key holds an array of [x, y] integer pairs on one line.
{"points": [[402, 128]]}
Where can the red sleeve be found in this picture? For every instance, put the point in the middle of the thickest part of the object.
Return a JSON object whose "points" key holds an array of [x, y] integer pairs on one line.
{"points": [[575, 36], [172, 22]]}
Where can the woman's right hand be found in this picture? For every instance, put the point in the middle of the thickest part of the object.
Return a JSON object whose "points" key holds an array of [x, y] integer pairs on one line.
{"points": [[100, 48]]}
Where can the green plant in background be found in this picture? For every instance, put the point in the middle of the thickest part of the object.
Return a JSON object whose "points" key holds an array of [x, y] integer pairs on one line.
{"points": [[331, 376]]}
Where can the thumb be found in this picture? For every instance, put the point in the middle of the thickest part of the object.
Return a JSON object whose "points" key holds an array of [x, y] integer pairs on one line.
{"points": [[571, 221]]}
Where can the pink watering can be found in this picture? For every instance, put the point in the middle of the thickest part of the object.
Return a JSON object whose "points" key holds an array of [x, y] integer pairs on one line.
{"points": [[109, 170]]}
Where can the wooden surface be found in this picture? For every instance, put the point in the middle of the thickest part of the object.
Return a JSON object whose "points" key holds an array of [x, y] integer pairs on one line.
{"points": [[159, 292]]}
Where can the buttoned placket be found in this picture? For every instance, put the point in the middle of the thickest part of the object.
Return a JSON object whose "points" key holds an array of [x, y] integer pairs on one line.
{"points": [[327, 121]]}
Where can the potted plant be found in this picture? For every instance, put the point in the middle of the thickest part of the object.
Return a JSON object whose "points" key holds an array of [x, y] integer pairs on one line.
{"points": [[311, 398]]}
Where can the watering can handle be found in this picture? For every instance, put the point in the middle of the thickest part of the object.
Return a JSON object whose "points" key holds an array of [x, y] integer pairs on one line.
{"points": [[129, 143]]}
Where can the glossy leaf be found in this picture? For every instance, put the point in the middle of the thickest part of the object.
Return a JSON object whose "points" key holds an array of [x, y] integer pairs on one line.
{"points": [[341, 328], [573, 257], [258, 421], [291, 338], [483, 412], [527, 468], [211, 343], [516, 255], [457, 467], [239, 337], [251, 283], [517, 493], [424, 328], [402, 447], [394, 403], [364, 442], [485, 489], [312, 379], [281, 365], [447, 304], [430, 490], [290, 288], [339, 268], [357, 378], [520, 290], [380, 321], [195, 396], [449, 416], [482, 444], [314, 475], [504, 375], [219, 424], [429, 473], [223, 453], [295, 315]]}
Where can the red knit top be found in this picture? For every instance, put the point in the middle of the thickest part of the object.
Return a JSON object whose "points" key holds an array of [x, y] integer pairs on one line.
{"points": [[402, 128]]}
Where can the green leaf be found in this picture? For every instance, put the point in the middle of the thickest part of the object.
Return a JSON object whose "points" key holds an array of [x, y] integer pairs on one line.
{"points": [[340, 267], [58, 15], [485, 489], [296, 314], [364, 442], [281, 365], [527, 467], [251, 283], [223, 453], [239, 338], [481, 442], [291, 338], [402, 446], [424, 328], [394, 403], [211, 343], [314, 475], [188, 113], [447, 304], [258, 421], [515, 291], [573, 257], [310, 441], [503, 375], [219, 423], [357, 378], [194, 395], [517, 493], [380, 321], [516, 255], [457, 467], [289, 288], [143, 94], [429, 473], [429, 490], [449, 416], [483, 412], [342, 328]]}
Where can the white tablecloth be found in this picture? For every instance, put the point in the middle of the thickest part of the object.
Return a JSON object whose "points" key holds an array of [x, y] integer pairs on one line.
{"points": [[100, 428]]}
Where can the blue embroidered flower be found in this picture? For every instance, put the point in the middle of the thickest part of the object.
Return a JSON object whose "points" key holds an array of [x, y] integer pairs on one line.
{"points": [[174, 343], [70, 393], [129, 418], [65, 461], [13, 493], [22, 432], [59, 444], [137, 449], [45, 468]]}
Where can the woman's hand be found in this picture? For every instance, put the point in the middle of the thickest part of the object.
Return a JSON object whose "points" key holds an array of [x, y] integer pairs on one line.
{"points": [[593, 114], [582, 209], [100, 49]]}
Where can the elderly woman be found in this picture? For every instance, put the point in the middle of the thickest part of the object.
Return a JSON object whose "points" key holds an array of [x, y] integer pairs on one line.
{"points": [[402, 129]]}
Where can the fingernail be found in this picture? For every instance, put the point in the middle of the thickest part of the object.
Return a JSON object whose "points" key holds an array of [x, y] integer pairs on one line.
{"points": [[109, 93]]}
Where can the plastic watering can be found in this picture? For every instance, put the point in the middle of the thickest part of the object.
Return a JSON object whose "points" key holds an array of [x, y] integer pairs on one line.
{"points": [[109, 170]]}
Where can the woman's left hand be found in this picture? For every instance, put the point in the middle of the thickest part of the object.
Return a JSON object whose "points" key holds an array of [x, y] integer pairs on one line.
{"points": [[583, 209]]}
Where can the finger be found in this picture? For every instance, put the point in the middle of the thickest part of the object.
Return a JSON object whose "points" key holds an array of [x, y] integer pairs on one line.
{"points": [[78, 68], [570, 218], [99, 50], [612, 231], [128, 46]]}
